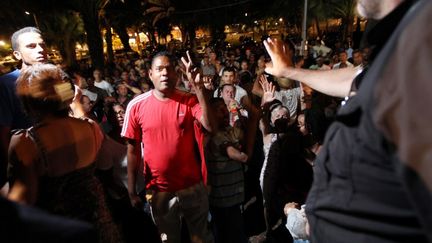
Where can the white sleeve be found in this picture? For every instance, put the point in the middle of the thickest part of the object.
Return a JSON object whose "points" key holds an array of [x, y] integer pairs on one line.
{"points": [[296, 224]]}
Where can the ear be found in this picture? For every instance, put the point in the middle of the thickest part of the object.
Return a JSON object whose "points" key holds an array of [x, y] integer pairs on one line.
{"points": [[17, 55], [150, 74]]}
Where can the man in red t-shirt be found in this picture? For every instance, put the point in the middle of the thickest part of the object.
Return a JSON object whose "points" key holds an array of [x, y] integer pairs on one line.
{"points": [[164, 121]]}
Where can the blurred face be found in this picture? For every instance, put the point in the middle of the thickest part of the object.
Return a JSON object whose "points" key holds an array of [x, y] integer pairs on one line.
{"points": [[376, 9], [357, 58], [301, 124], [145, 87], [228, 77], [162, 74], [212, 56], [119, 112], [87, 104], [261, 63], [31, 49], [244, 66], [122, 90], [279, 113], [124, 76], [142, 73], [97, 75], [206, 60], [343, 57], [228, 93]]}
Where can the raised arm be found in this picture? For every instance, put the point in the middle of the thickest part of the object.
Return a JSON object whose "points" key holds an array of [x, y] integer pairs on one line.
{"points": [[266, 99], [201, 92], [331, 82]]}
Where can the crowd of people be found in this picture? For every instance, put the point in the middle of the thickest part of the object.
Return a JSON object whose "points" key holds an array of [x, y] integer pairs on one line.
{"points": [[251, 144]]}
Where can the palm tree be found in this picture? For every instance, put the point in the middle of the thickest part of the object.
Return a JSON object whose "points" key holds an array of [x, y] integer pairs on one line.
{"points": [[157, 14], [89, 11], [344, 9], [63, 30]]}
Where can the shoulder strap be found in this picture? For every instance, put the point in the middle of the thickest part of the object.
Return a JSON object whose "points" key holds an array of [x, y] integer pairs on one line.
{"points": [[42, 151]]}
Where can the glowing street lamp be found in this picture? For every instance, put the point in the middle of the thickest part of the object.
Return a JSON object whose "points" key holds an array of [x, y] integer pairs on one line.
{"points": [[34, 18]]}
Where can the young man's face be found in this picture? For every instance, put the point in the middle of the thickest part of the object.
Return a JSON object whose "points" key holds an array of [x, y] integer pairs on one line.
{"points": [[228, 77], [357, 58], [31, 49], [162, 74], [97, 74]]}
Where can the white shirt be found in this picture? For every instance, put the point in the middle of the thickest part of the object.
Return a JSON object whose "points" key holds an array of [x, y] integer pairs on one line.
{"points": [[336, 66], [290, 98], [105, 86]]}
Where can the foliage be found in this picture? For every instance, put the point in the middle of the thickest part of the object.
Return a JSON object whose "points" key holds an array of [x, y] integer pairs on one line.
{"points": [[63, 29]]}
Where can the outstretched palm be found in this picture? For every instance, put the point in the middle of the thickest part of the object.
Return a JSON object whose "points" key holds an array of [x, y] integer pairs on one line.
{"points": [[269, 90], [280, 56]]}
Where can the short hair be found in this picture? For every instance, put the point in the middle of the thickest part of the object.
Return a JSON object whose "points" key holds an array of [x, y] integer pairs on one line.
{"points": [[229, 69], [225, 85], [16, 35], [357, 51], [44, 89], [164, 54]]}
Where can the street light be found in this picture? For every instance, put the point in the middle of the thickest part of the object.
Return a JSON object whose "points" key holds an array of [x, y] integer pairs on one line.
{"points": [[303, 43], [34, 18], [2, 43]]}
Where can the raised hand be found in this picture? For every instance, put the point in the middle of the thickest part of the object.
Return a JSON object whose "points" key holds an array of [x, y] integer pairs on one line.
{"points": [[268, 90], [208, 82], [281, 64], [192, 75]]}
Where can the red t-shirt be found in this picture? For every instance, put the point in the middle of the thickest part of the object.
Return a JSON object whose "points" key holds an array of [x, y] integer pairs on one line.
{"points": [[166, 128]]}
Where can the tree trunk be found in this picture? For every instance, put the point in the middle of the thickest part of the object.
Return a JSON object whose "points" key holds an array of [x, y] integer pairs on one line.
{"points": [[318, 27], [94, 38], [108, 40], [70, 53], [124, 37], [190, 29]]}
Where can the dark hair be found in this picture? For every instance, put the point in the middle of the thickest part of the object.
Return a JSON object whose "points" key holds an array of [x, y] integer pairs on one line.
{"points": [[274, 105], [357, 51], [111, 115], [229, 69], [164, 54], [16, 35]]}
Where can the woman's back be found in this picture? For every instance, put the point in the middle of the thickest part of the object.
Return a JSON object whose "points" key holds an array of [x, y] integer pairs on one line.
{"points": [[67, 144], [64, 153]]}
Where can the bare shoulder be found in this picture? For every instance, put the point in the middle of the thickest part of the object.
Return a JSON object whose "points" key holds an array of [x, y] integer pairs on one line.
{"points": [[23, 148]]}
